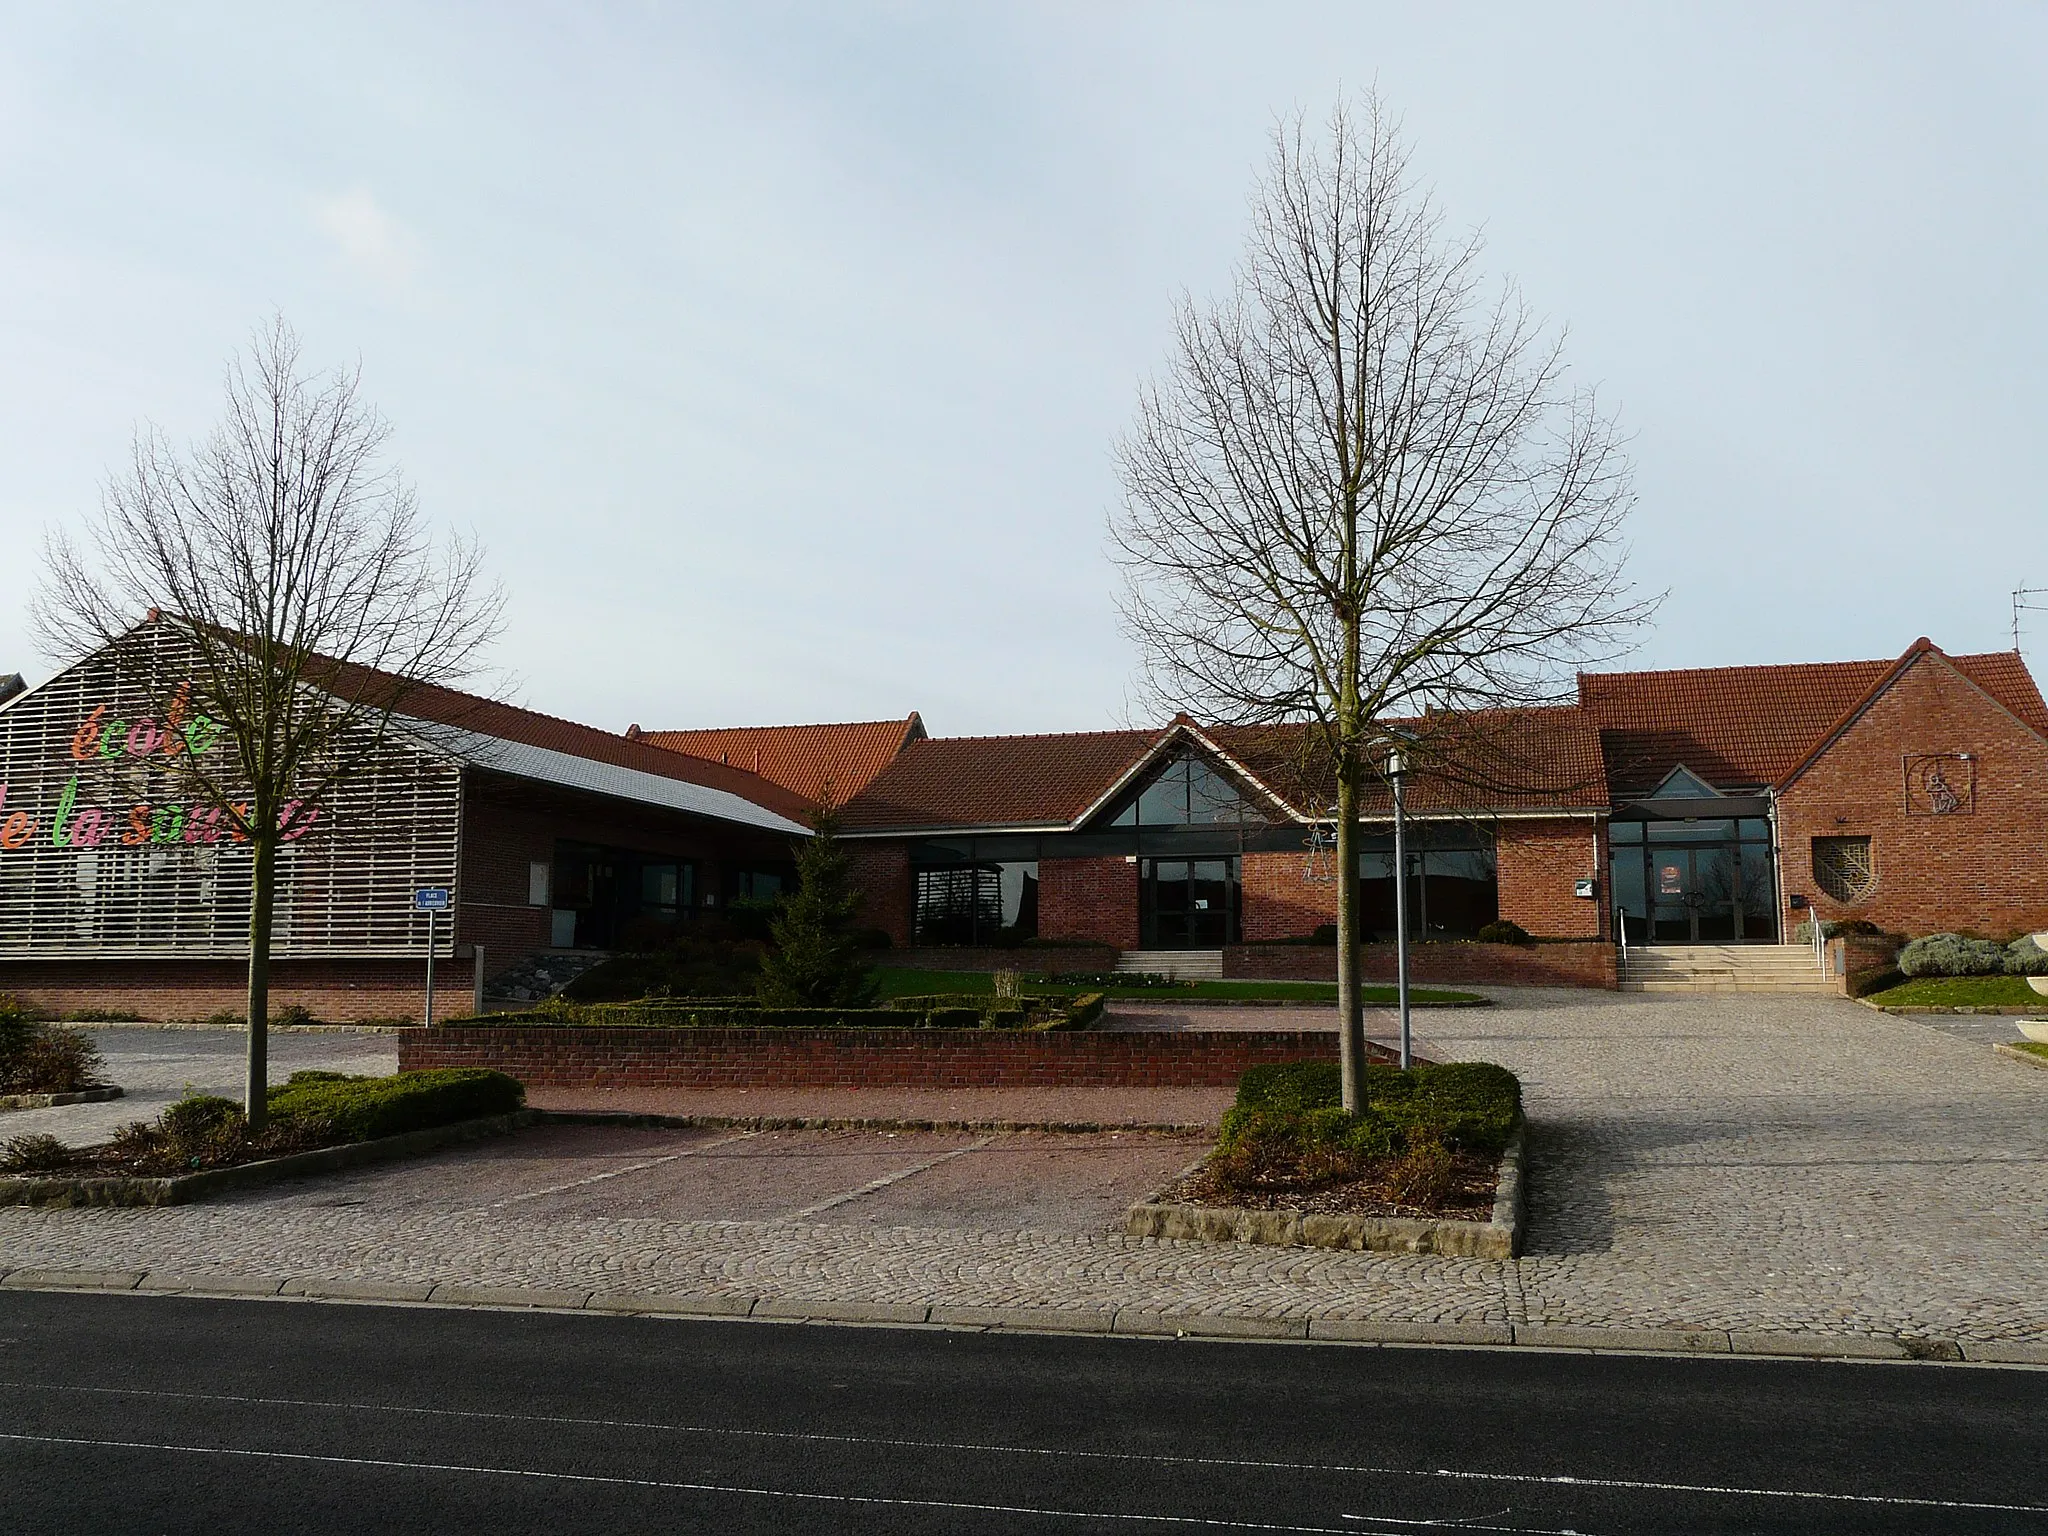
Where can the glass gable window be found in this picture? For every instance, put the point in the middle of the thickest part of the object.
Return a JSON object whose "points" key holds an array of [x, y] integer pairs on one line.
{"points": [[1683, 784], [1188, 793], [991, 902]]}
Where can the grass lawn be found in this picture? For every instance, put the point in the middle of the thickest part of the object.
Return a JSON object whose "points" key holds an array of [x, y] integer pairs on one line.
{"points": [[906, 983], [1960, 992], [2032, 1048]]}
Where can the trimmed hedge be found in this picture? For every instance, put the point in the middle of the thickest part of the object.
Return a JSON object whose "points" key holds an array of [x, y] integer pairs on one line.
{"points": [[936, 1011], [365, 1108], [1467, 1106]]}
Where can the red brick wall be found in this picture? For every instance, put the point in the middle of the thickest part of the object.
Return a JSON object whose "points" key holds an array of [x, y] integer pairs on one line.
{"points": [[172, 991], [881, 873], [1539, 861], [1279, 903], [1089, 899], [1588, 964], [576, 1057], [1985, 869]]}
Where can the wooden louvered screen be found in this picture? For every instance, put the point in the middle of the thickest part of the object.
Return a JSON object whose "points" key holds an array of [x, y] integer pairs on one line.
{"points": [[131, 871]]}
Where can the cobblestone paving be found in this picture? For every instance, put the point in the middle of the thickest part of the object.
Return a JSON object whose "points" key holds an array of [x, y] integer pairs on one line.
{"points": [[1763, 1164]]}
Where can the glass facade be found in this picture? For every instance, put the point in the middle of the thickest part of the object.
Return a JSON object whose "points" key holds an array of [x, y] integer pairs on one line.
{"points": [[1188, 903], [615, 898], [1453, 883], [983, 902], [1698, 881]]}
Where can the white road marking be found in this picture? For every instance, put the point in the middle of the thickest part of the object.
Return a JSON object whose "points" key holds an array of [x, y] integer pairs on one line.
{"points": [[885, 1181], [979, 1448], [613, 1173], [742, 1490]]}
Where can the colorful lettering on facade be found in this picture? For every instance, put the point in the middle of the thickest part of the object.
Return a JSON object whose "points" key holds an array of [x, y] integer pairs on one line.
{"points": [[144, 738]]}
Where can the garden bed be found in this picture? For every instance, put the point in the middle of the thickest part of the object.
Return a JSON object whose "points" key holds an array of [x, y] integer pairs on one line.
{"points": [[1432, 1165], [2031, 1053], [936, 1011], [312, 1115], [1959, 994], [1123, 986]]}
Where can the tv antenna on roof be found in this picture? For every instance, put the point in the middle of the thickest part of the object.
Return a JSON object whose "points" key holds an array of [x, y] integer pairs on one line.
{"points": [[2020, 605]]}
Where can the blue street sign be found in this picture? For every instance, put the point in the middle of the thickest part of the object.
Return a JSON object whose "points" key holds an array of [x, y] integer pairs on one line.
{"points": [[431, 898]]}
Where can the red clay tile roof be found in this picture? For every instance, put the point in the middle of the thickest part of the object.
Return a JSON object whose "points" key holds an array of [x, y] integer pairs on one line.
{"points": [[1743, 727], [1536, 759], [814, 761], [995, 781]]}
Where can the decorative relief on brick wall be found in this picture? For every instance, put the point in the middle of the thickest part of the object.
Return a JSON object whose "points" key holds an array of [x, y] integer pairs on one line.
{"points": [[1843, 868], [1941, 783], [1320, 867]]}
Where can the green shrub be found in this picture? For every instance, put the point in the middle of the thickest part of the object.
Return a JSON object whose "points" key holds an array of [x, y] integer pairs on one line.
{"points": [[365, 1108], [47, 1058], [1502, 931], [102, 1016], [2023, 957], [1951, 954], [199, 1114], [1469, 1106], [34, 1153], [691, 966]]}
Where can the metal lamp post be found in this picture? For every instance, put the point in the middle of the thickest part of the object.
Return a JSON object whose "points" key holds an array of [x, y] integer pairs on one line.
{"points": [[1397, 771]]}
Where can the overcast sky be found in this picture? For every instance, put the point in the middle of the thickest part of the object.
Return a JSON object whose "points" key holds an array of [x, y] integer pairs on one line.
{"points": [[776, 351]]}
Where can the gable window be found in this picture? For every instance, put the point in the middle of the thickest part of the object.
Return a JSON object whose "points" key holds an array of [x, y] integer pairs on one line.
{"points": [[1188, 793], [1843, 868], [1681, 783]]}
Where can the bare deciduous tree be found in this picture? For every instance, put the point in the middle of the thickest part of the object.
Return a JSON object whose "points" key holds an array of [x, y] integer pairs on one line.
{"points": [[1365, 487], [307, 592]]}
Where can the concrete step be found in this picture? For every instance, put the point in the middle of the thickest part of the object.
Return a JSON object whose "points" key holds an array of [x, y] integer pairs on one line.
{"points": [[1181, 964], [1731, 984]]}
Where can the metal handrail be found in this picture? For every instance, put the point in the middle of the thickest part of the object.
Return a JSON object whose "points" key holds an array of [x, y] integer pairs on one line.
{"points": [[1820, 942], [1621, 934]]}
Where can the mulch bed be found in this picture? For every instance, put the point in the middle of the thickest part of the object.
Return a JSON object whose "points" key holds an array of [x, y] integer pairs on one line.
{"points": [[1471, 1197]]}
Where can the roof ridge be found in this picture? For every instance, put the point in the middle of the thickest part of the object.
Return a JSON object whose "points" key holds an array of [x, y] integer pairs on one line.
{"points": [[806, 725]]}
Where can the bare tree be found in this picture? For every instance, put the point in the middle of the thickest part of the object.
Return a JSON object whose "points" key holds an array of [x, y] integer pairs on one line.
{"points": [[308, 597], [1365, 488]]}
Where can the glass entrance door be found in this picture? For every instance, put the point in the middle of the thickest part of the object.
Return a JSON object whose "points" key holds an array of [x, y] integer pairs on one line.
{"points": [[1188, 903], [1693, 897]]}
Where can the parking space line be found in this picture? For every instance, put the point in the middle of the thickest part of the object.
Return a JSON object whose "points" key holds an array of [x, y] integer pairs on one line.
{"points": [[613, 1173], [886, 1180]]}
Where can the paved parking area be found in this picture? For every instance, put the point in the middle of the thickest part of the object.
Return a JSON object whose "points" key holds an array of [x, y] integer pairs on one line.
{"points": [[1772, 1164]]}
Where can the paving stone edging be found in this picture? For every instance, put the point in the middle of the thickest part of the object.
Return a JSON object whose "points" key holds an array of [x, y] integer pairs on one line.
{"points": [[2026, 1058], [53, 1100], [181, 1188], [1498, 1238], [1117, 1321]]}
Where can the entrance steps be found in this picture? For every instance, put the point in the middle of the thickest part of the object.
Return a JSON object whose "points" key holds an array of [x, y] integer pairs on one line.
{"points": [[1725, 968], [1180, 964]]}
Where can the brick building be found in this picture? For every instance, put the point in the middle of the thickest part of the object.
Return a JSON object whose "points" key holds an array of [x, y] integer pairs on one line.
{"points": [[117, 892], [1717, 805]]}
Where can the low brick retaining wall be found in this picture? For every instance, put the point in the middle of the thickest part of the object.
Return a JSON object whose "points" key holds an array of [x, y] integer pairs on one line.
{"points": [[1030, 960], [576, 1056], [1570, 964]]}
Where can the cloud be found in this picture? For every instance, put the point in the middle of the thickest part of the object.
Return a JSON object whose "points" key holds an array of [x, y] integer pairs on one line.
{"points": [[367, 238]]}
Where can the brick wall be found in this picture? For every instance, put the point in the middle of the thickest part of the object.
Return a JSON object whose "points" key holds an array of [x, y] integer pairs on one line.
{"points": [[1587, 964], [881, 873], [862, 1058], [1539, 861], [1278, 903], [1089, 899], [1985, 868], [172, 991], [1033, 960]]}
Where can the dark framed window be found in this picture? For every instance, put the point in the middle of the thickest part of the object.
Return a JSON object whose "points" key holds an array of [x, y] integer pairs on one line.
{"points": [[1452, 892], [986, 902], [617, 898]]}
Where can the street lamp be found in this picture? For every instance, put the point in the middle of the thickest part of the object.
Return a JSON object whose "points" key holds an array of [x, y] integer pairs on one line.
{"points": [[1397, 772]]}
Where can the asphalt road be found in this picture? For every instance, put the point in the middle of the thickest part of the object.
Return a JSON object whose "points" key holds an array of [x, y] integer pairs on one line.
{"points": [[141, 1414]]}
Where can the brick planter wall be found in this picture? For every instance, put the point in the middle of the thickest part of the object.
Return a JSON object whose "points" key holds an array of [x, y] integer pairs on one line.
{"points": [[180, 991], [1032, 961], [1589, 964], [579, 1057]]}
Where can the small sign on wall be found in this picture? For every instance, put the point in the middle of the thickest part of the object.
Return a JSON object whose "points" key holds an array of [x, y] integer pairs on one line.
{"points": [[1583, 889]]}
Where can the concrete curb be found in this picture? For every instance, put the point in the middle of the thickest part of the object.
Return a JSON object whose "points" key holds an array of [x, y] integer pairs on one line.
{"points": [[1498, 1238], [2025, 1058], [56, 1100], [1126, 1322], [182, 1188]]}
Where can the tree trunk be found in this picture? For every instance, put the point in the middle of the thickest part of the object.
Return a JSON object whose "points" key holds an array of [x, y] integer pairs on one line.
{"points": [[262, 901], [1350, 1015]]}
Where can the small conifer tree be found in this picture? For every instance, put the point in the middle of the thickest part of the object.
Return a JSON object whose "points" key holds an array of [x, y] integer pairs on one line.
{"points": [[817, 962]]}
